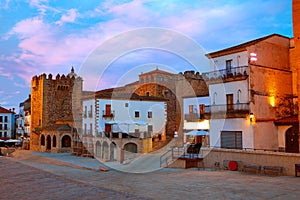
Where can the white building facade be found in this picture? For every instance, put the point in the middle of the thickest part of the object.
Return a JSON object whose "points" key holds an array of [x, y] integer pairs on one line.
{"points": [[246, 93], [124, 122], [7, 123]]}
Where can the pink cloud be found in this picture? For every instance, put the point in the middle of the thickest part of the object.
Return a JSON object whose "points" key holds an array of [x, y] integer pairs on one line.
{"points": [[67, 18]]}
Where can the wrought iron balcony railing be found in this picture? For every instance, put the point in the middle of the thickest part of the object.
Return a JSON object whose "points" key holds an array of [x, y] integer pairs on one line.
{"points": [[228, 108], [224, 74], [108, 114]]}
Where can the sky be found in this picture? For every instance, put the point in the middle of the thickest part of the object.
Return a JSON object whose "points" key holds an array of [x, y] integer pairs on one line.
{"points": [[109, 43]]}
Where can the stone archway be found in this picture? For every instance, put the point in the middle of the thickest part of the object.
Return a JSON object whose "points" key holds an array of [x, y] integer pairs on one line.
{"points": [[66, 141], [130, 147], [105, 151], [113, 148], [292, 140], [54, 141], [48, 142], [42, 140], [98, 150]]}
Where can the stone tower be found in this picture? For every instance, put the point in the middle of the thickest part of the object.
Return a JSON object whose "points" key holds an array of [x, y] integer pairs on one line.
{"points": [[295, 52], [54, 100]]}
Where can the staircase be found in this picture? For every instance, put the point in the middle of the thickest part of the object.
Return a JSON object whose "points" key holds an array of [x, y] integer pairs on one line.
{"points": [[171, 155]]}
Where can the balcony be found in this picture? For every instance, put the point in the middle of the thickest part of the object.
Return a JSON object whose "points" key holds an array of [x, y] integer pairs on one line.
{"points": [[108, 115], [226, 75], [227, 111], [191, 117]]}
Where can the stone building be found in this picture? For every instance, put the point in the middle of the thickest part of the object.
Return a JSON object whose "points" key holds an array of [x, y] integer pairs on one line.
{"points": [[173, 87], [295, 59], [55, 111]]}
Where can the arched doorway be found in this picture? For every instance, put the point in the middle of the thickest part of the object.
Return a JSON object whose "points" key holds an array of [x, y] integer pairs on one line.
{"points": [[48, 142], [130, 147], [42, 140], [105, 151], [113, 146], [98, 149], [54, 141], [66, 141], [292, 140]]}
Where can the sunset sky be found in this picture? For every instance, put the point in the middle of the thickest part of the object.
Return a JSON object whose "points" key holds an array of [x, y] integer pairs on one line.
{"points": [[43, 36]]}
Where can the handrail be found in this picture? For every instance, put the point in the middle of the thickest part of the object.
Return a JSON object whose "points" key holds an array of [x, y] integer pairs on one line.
{"points": [[171, 155]]}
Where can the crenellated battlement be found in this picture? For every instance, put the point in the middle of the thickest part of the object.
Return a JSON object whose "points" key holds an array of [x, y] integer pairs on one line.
{"points": [[59, 81]]}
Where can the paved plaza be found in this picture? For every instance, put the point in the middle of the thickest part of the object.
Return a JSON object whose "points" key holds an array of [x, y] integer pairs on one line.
{"points": [[31, 175]]}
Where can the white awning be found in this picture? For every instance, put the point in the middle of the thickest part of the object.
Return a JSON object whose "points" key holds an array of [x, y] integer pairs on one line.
{"points": [[197, 133]]}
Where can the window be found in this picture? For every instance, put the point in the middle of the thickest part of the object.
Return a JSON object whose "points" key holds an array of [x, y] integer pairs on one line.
{"points": [[231, 139], [1, 118], [152, 79], [191, 109], [159, 78], [147, 79], [166, 79], [5, 119], [91, 111], [0, 126], [228, 66], [229, 99], [147, 94], [149, 114], [5, 126], [0, 134], [84, 129], [214, 98], [91, 128], [107, 128], [142, 80], [85, 111], [136, 114], [126, 105]]}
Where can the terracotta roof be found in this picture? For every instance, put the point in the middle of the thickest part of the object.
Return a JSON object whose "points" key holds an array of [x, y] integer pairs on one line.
{"points": [[157, 71], [112, 94], [287, 120], [240, 47], [4, 110]]}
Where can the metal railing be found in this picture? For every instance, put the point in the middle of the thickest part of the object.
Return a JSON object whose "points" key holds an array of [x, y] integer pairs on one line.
{"points": [[108, 115], [227, 73], [238, 107]]}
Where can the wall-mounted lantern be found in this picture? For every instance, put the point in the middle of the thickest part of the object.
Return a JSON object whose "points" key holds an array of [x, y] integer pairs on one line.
{"points": [[251, 117], [253, 57]]}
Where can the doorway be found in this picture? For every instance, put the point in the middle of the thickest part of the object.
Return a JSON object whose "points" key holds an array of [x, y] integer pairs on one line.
{"points": [[292, 140]]}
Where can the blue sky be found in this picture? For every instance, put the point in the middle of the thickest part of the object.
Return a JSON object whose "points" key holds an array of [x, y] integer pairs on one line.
{"points": [[43, 36]]}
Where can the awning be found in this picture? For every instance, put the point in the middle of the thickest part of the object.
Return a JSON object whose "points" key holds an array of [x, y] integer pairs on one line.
{"points": [[12, 140], [196, 133]]}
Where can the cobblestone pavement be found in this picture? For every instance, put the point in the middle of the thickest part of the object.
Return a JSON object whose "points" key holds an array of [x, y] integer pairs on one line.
{"points": [[30, 175]]}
